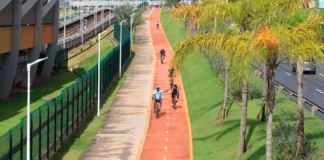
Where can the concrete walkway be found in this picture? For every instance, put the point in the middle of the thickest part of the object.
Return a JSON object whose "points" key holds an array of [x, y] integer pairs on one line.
{"points": [[122, 132]]}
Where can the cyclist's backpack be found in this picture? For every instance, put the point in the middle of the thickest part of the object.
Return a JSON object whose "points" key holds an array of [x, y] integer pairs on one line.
{"points": [[175, 91]]}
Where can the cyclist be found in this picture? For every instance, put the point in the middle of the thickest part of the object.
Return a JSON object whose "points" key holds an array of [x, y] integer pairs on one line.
{"points": [[175, 94], [157, 96], [157, 24], [162, 54]]}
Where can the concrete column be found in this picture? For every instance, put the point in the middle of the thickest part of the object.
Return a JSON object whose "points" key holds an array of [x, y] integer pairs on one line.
{"points": [[95, 20], [52, 48], [35, 52], [10, 59], [102, 18]]}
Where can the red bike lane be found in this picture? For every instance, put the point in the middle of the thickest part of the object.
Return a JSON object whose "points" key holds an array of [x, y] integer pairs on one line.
{"points": [[169, 136]]}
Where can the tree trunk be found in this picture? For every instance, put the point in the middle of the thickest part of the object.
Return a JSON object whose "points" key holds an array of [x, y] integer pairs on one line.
{"points": [[271, 68], [269, 137], [300, 121], [242, 145], [226, 91], [264, 92]]}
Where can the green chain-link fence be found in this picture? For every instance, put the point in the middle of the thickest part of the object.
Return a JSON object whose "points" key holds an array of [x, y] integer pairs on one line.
{"points": [[53, 122]]}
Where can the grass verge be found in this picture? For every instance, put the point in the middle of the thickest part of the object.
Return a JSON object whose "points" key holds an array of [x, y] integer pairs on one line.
{"points": [[83, 137], [205, 96], [11, 111]]}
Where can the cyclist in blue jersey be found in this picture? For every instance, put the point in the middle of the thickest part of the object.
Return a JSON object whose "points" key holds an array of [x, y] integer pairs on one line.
{"points": [[157, 96]]}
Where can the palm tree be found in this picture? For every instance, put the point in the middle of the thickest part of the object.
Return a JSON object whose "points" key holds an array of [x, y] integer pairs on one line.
{"points": [[192, 16], [250, 15], [224, 11], [241, 53], [270, 42], [237, 48], [189, 14], [304, 43]]}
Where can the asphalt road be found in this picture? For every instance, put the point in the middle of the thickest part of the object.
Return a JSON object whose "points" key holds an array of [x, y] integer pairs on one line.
{"points": [[313, 84]]}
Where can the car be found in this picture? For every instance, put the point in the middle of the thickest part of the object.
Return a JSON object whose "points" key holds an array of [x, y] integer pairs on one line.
{"points": [[309, 66]]}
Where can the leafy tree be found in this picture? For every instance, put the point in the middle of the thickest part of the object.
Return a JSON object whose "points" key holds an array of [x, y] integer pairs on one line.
{"points": [[124, 13], [172, 3], [273, 24]]}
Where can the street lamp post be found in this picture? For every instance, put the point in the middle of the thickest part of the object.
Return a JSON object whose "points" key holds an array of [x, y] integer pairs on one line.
{"points": [[99, 35], [120, 45], [131, 33], [84, 21], [28, 104]]}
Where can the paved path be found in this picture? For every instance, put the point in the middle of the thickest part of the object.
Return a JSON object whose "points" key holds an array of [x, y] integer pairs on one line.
{"points": [[168, 137], [122, 132]]}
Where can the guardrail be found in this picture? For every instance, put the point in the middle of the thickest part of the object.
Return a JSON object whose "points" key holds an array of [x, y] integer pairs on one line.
{"points": [[77, 35], [76, 17], [282, 88]]}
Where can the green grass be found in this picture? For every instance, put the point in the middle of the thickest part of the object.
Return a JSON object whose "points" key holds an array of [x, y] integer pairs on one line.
{"points": [[13, 110], [204, 94], [82, 139], [92, 60]]}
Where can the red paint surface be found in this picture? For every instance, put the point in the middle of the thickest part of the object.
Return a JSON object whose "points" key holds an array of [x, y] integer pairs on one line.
{"points": [[173, 121]]}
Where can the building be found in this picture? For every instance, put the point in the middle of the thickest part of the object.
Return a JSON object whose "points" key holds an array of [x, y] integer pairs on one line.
{"points": [[27, 28]]}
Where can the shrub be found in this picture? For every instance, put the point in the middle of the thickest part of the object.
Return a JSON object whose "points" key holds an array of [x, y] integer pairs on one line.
{"points": [[218, 66], [253, 92], [285, 143]]}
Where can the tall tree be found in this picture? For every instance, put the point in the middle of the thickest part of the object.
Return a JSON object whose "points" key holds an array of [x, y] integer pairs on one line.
{"points": [[124, 13], [264, 40], [305, 43]]}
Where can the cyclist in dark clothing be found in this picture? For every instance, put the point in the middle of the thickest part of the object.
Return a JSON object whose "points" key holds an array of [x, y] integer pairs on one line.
{"points": [[174, 95], [162, 53]]}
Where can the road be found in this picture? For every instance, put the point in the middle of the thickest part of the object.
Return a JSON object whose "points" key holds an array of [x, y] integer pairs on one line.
{"points": [[313, 84]]}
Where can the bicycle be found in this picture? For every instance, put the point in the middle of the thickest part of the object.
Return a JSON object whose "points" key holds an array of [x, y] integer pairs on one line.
{"points": [[174, 101], [157, 109], [162, 58]]}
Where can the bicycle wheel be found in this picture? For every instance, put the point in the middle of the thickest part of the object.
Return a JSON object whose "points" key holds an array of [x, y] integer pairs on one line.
{"points": [[156, 110], [173, 102]]}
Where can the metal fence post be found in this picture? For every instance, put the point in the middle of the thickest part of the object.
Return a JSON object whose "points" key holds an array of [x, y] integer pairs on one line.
{"points": [[10, 144], [22, 123], [94, 87], [67, 110], [82, 91], [62, 107], [48, 128], [55, 121], [73, 99], [78, 98], [90, 88], [86, 90], [40, 133]]}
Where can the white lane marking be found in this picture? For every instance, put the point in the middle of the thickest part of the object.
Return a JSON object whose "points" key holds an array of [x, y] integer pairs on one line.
{"points": [[321, 74], [288, 74], [319, 91]]}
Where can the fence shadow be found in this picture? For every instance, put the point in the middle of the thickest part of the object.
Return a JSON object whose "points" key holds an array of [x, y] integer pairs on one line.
{"points": [[13, 107], [79, 131]]}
